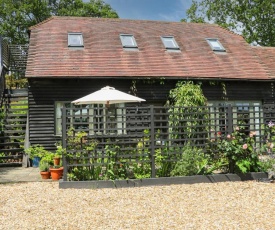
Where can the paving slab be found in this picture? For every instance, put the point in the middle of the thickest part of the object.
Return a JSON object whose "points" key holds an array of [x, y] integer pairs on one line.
{"points": [[19, 174]]}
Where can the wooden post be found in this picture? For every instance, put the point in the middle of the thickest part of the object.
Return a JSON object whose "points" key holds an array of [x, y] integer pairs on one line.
{"points": [[64, 143], [152, 139], [229, 119]]}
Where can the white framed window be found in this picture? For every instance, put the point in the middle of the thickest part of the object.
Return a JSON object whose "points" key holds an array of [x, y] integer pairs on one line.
{"points": [[110, 120], [246, 114], [75, 40], [128, 41], [170, 43], [76, 114], [215, 44], [95, 119]]}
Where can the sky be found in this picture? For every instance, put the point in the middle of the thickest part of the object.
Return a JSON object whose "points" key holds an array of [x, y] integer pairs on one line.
{"points": [[160, 10]]}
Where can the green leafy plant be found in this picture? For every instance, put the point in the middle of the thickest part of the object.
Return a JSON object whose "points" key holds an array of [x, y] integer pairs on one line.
{"points": [[116, 167], [2, 155], [193, 162], [268, 158], [59, 151], [189, 115], [82, 151], [268, 164], [239, 150], [44, 166], [165, 161], [35, 151], [141, 167]]}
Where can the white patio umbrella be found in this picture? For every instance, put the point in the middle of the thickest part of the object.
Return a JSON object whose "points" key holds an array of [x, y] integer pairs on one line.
{"points": [[107, 95]]}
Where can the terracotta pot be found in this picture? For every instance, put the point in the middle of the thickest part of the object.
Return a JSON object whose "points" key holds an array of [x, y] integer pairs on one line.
{"points": [[56, 161], [45, 175], [56, 173]]}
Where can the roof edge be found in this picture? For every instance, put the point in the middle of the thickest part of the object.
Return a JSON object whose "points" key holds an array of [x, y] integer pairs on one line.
{"points": [[43, 22]]}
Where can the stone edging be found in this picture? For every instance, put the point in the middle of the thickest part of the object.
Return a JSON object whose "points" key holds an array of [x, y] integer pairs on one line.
{"points": [[161, 181]]}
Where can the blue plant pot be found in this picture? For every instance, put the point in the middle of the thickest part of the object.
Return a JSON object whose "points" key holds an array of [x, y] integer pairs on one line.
{"points": [[35, 162]]}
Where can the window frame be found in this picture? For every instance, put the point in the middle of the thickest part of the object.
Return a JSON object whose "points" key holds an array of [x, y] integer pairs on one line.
{"points": [[98, 122], [173, 40], [58, 114], [220, 49], [239, 107], [70, 44], [127, 46]]}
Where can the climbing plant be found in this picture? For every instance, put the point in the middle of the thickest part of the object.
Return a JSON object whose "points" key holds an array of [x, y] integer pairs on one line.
{"points": [[189, 114]]}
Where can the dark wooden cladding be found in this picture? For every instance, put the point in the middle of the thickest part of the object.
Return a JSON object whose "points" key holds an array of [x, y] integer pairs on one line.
{"points": [[45, 92]]}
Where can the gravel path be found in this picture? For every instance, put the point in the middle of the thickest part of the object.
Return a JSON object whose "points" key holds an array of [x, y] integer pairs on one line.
{"points": [[229, 205]]}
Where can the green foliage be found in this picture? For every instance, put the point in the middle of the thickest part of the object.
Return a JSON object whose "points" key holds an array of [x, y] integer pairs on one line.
{"points": [[268, 164], [269, 134], [189, 116], [84, 173], [239, 151], [44, 166], [2, 155], [47, 157], [254, 19], [2, 115], [186, 93], [35, 151], [193, 162], [268, 158], [141, 167], [140, 170], [60, 151], [116, 167], [165, 159], [17, 16], [81, 151], [13, 82]]}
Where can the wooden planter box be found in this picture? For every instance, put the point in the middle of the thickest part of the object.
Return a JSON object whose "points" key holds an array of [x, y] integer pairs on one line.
{"points": [[161, 181]]}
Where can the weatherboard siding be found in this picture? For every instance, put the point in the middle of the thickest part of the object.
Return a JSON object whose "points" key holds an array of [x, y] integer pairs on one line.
{"points": [[44, 93]]}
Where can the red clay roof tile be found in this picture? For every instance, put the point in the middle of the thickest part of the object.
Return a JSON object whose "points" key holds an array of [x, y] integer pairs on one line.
{"points": [[103, 55]]}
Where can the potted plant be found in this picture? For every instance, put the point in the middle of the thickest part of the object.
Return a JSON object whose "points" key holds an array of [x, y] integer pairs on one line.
{"points": [[58, 154], [44, 169], [56, 172], [57, 169], [35, 153]]}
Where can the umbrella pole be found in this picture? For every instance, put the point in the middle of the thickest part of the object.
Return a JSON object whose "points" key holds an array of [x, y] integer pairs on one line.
{"points": [[107, 104]]}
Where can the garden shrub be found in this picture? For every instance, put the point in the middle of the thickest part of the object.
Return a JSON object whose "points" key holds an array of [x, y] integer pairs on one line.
{"points": [[239, 150], [193, 162]]}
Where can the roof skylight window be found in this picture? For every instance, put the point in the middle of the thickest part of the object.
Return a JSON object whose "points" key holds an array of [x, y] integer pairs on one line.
{"points": [[128, 41], [170, 43], [75, 40], [215, 44]]}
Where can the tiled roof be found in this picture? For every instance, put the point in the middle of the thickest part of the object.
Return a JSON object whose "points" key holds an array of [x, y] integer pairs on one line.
{"points": [[103, 55], [266, 57]]}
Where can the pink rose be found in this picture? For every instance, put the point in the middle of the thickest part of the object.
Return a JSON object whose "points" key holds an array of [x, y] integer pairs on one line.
{"points": [[245, 146], [237, 128], [252, 134], [228, 136]]}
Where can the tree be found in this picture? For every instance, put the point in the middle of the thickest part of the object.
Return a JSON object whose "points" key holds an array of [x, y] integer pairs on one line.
{"points": [[16, 16], [254, 19]]}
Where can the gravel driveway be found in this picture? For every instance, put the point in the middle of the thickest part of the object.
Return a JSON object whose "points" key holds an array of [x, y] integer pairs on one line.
{"points": [[228, 205]]}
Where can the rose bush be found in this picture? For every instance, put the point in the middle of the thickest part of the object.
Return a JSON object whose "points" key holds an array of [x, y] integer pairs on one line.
{"points": [[239, 150]]}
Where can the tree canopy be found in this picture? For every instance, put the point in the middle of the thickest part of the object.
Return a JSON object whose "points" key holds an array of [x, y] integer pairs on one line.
{"points": [[254, 19], [16, 16]]}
